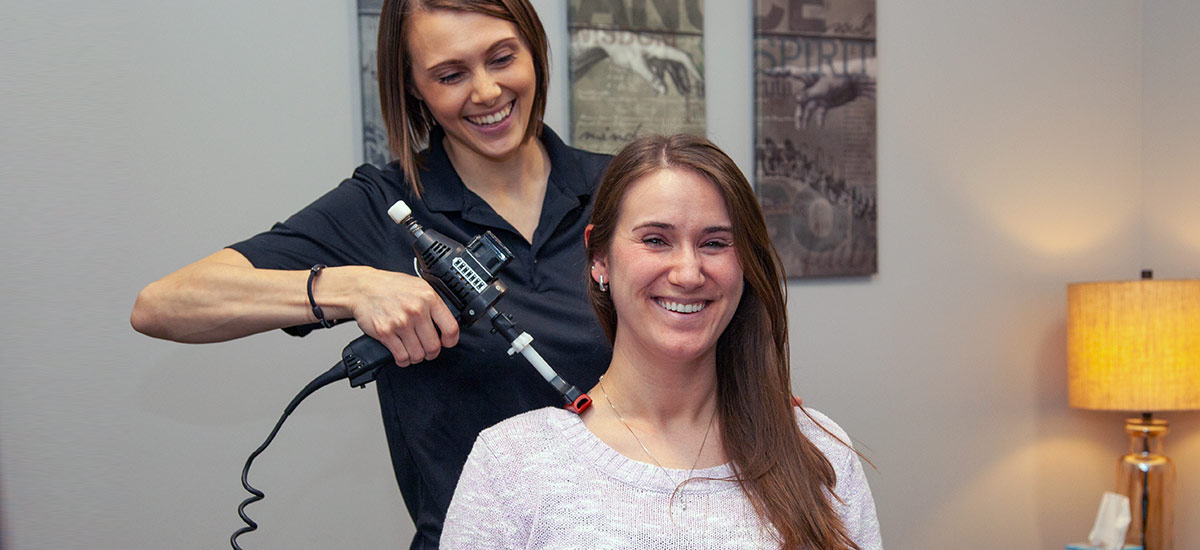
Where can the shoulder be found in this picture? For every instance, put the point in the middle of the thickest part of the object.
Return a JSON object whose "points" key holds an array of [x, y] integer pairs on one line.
{"points": [[526, 437], [591, 166], [590, 162], [360, 201], [388, 180], [853, 500], [347, 225], [832, 441], [368, 187]]}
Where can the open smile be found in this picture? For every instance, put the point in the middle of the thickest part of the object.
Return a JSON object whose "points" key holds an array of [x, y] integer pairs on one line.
{"points": [[679, 307], [492, 119]]}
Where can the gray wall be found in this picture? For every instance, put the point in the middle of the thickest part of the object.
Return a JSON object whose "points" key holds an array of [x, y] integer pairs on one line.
{"points": [[1022, 145]]}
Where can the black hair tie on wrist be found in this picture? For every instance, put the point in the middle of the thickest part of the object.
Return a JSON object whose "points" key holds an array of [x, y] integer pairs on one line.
{"points": [[316, 309]]}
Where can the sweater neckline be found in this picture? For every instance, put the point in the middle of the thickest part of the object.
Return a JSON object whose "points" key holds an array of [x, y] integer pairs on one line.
{"points": [[592, 450]]}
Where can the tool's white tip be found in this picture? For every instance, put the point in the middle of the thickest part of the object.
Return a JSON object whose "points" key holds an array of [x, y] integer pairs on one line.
{"points": [[399, 211]]}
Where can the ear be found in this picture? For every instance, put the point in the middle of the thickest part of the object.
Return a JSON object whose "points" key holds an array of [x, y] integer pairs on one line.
{"points": [[599, 268], [587, 234]]}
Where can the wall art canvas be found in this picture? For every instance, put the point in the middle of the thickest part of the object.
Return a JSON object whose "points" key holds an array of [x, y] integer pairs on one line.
{"points": [[375, 149], [637, 67], [815, 155]]}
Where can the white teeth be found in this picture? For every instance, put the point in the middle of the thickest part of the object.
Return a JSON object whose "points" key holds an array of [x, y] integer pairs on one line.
{"points": [[492, 118], [681, 308]]}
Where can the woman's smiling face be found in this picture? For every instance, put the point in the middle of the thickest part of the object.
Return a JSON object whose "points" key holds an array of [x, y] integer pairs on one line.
{"points": [[672, 268], [477, 77]]}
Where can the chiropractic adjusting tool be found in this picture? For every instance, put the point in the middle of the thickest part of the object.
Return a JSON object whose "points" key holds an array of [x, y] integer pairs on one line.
{"points": [[466, 279]]}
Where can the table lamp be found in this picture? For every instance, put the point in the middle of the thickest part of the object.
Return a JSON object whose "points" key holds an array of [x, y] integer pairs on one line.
{"points": [[1135, 346]]}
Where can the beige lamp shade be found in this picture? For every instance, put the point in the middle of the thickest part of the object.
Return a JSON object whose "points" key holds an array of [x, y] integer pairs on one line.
{"points": [[1134, 345]]}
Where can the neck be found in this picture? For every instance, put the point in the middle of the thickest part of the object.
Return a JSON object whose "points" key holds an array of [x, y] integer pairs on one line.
{"points": [[658, 413], [517, 174], [662, 394], [514, 186]]}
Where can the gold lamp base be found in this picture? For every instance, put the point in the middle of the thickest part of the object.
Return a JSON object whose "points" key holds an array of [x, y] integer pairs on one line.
{"points": [[1147, 477]]}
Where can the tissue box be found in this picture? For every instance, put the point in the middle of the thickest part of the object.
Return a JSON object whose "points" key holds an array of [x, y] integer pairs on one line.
{"points": [[1086, 546]]}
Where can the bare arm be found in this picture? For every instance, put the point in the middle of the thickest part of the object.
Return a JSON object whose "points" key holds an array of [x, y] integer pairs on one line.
{"points": [[223, 297]]}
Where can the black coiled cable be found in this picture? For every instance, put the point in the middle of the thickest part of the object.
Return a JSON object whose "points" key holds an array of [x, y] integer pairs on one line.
{"points": [[334, 374]]}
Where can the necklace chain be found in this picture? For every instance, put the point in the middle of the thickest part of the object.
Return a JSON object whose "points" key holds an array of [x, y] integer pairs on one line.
{"points": [[682, 502]]}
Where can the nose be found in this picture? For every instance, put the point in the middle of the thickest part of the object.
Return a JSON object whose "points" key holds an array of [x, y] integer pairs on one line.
{"points": [[687, 269], [484, 90]]}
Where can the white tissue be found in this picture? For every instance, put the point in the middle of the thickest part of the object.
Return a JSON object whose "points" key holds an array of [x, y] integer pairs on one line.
{"points": [[1111, 522]]}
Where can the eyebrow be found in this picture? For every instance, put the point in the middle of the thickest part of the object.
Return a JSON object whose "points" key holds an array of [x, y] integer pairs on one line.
{"points": [[491, 49], [664, 225]]}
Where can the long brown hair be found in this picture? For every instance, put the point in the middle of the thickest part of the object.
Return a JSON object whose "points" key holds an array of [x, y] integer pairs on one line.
{"points": [[783, 474], [407, 118]]}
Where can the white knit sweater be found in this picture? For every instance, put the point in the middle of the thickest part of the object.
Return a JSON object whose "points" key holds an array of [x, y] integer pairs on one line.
{"points": [[543, 480]]}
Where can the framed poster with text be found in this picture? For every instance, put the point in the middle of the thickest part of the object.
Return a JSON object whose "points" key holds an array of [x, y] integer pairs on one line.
{"points": [[637, 67], [814, 168]]}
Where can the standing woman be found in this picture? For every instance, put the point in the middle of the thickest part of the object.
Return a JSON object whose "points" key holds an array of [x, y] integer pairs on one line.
{"points": [[693, 440], [463, 88]]}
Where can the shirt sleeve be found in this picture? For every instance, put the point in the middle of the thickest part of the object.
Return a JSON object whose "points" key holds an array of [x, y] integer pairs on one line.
{"points": [[346, 226], [857, 507], [485, 512]]}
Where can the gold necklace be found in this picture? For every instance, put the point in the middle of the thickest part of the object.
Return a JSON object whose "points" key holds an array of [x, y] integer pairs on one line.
{"points": [[682, 500]]}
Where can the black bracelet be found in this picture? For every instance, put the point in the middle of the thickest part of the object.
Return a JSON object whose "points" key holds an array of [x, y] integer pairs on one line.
{"points": [[320, 315]]}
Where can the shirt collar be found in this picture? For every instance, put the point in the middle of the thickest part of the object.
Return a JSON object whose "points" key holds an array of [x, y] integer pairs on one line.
{"points": [[443, 190]]}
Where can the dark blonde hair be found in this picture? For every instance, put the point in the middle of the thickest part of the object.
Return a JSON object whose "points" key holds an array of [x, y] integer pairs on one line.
{"points": [[783, 474], [407, 118]]}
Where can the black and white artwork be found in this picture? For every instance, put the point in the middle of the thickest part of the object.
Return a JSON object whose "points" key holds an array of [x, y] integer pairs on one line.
{"points": [[637, 67], [815, 154], [375, 149]]}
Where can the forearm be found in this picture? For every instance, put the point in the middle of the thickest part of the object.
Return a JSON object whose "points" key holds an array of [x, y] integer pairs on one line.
{"points": [[223, 297]]}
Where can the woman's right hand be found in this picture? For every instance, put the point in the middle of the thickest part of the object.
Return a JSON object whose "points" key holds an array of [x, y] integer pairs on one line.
{"points": [[223, 297], [401, 311]]}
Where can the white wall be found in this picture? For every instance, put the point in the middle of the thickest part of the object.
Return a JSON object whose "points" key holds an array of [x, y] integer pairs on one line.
{"points": [[1022, 145]]}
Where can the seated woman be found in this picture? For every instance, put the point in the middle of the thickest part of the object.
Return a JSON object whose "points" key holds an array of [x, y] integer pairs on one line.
{"points": [[693, 440]]}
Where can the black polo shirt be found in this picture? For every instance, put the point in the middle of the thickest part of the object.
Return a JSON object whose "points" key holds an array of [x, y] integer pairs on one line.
{"points": [[432, 411]]}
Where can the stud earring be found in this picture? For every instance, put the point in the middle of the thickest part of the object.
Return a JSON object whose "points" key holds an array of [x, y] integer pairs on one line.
{"points": [[603, 287]]}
